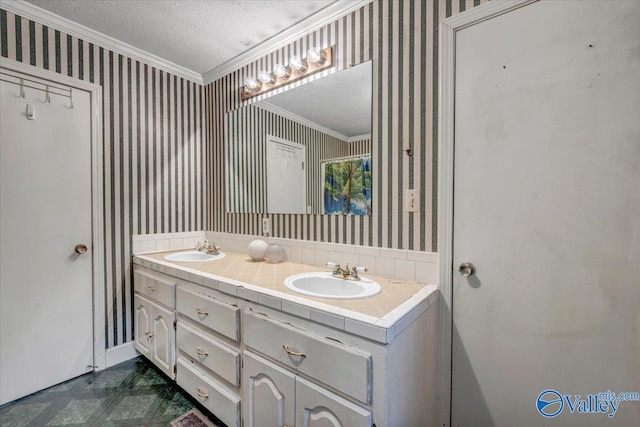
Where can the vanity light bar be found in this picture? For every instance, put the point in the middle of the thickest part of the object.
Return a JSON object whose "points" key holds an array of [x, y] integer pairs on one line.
{"points": [[316, 60]]}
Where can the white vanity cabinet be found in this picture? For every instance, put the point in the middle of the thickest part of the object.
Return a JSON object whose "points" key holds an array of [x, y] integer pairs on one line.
{"points": [[253, 363], [154, 321], [276, 397], [208, 345]]}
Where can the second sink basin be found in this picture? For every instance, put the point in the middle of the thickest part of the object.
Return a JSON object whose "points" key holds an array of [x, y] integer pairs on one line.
{"points": [[324, 285], [192, 256]]}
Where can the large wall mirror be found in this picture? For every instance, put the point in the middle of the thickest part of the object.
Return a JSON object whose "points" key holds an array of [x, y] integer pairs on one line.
{"points": [[304, 150]]}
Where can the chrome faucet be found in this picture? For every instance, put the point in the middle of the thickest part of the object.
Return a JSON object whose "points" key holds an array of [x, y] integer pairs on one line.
{"points": [[346, 273], [209, 248]]}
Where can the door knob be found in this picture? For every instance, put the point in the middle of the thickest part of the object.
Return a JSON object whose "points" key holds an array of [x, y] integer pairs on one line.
{"points": [[466, 269], [80, 248]]}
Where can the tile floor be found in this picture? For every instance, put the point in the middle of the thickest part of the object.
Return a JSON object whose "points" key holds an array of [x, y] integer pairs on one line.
{"points": [[132, 393]]}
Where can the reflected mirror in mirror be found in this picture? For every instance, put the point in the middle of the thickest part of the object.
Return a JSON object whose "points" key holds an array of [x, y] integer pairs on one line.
{"points": [[304, 150]]}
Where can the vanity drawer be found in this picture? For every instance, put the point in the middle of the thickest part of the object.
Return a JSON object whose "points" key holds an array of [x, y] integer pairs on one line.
{"points": [[158, 287], [213, 354], [209, 393], [208, 311], [331, 362]]}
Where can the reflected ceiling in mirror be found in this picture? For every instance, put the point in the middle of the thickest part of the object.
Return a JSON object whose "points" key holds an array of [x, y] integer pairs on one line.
{"points": [[340, 102], [330, 117]]}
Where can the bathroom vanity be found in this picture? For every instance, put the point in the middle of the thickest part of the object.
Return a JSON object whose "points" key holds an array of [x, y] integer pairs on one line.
{"points": [[257, 354]]}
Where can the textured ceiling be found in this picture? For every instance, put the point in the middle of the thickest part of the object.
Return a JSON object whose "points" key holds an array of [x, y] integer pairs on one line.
{"points": [[199, 35]]}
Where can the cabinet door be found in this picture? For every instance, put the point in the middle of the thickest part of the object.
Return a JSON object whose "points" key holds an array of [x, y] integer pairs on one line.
{"points": [[164, 340], [142, 325], [268, 393], [317, 407]]}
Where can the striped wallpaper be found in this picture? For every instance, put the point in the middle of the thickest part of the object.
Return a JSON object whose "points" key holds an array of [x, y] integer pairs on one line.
{"points": [[163, 134], [401, 37], [245, 150], [153, 148]]}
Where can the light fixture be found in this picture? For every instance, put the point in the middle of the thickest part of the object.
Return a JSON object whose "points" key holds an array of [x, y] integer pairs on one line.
{"points": [[267, 78], [282, 71], [252, 84], [316, 56], [298, 67], [298, 64]]}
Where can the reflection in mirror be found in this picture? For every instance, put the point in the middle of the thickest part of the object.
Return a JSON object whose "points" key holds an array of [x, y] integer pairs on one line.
{"points": [[305, 150]]}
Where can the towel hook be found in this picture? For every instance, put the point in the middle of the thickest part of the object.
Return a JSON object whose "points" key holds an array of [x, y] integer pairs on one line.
{"points": [[70, 98], [47, 97], [22, 94]]}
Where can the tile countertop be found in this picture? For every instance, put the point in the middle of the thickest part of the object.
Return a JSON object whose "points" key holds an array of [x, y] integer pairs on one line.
{"points": [[399, 302]]}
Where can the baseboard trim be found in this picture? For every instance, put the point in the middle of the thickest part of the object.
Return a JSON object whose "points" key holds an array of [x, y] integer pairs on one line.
{"points": [[120, 353]]}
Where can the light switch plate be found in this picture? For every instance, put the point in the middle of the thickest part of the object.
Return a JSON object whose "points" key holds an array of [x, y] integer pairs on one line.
{"points": [[266, 226], [412, 200]]}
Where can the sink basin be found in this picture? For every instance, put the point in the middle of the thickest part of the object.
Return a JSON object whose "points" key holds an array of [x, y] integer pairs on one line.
{"points": [[192, 256], [324, 285]]}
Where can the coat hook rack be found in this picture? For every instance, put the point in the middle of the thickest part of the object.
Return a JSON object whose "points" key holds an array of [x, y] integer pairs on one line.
{"points": [[47, 96]]}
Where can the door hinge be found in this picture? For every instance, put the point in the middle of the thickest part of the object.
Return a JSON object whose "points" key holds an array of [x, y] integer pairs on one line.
{"points": [[175, 323], [302, 165], [175, 369]]}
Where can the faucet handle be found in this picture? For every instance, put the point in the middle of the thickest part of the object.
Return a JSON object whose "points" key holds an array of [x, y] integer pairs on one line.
{"points": [[356, 270], [332, 265]]}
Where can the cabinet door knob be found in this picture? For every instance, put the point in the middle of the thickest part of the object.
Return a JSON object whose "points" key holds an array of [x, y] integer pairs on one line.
{"points": [[80, 248], [293, 353]]}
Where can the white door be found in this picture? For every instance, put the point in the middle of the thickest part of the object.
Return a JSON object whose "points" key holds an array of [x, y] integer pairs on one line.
{"points": [[547, 208], [164, 339], [143, 325], [268, 393], [46, 329], [286, 183], [318, 407]]}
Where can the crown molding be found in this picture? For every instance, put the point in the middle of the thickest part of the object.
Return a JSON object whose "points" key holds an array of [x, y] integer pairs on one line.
{"points": [[359, 137], [323, 17], [42, 16]]}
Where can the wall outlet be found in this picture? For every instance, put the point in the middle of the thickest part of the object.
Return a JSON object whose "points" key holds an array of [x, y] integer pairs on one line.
{"points": [[266, 226], [412, 200]]}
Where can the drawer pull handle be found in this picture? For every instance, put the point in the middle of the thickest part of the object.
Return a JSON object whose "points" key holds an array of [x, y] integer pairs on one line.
{"points": [[293, 353], [201, 352], [202, 312], [151, 289], [149, 335], [201, 394]]}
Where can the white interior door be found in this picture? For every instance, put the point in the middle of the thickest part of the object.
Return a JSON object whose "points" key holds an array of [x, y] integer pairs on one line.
{"points": [[286, 182], [547, 208], [46, 327]]}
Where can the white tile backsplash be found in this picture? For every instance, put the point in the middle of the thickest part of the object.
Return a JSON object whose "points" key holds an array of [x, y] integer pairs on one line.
{"points": [[147, 246], [391, 263], [146, 243], [163, 245], [308, 256], [385, 267], [405, 269], [369, 262]]}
